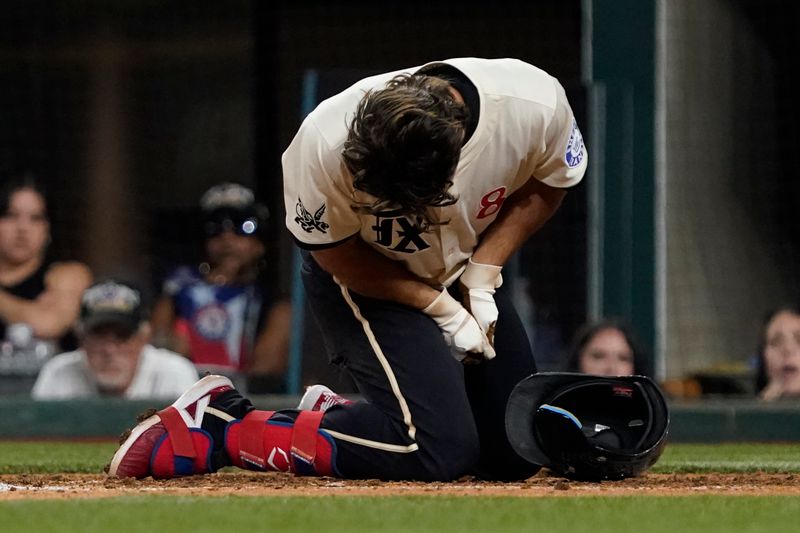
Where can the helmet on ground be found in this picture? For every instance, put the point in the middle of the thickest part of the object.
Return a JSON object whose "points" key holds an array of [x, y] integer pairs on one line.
{"points": [[588, 427]]}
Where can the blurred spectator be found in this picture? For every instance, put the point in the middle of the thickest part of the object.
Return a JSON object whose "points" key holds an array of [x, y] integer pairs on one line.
{"points": [[39, 298], [115, 357], [222, 314], [607, 348], [778, 369]]}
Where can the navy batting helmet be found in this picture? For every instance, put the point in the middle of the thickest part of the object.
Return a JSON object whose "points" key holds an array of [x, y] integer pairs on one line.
{"points": [[588, 427]]}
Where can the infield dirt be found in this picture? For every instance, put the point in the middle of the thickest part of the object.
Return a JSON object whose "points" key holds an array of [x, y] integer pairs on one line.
{"points": [[22, 486]]}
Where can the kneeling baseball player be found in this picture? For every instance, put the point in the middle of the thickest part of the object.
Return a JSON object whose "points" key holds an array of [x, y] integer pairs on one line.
{"points": [[407, 192]]}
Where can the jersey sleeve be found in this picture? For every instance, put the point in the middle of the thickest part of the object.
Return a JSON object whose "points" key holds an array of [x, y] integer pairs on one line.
{"points": [[317, 200], [564, 160]]}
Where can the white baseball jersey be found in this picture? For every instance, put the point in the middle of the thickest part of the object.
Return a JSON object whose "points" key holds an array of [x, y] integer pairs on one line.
{"points": [[526, 129], [160, 374]]}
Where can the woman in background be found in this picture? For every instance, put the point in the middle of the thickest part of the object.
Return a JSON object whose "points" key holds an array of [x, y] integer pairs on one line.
{"points": [[35, 291], [778, 368], [607, 348]]}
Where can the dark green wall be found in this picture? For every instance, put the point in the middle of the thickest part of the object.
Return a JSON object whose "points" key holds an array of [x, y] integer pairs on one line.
{"points": [[707, 421], [623, 65]]}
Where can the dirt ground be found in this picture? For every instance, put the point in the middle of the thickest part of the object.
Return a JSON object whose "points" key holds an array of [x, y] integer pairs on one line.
{"points": [[278, 484]]}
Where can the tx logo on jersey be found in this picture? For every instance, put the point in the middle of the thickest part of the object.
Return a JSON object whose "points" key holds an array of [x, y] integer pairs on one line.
{"points": [[308, 221], [398, 234]]}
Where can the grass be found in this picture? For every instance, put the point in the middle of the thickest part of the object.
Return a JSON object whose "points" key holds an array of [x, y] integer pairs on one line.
{"points": [[42, 457], [707, 514], [730, 458]]}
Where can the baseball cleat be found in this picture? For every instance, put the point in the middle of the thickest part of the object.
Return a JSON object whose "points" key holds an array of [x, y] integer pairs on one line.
{"points": [[321, 398], [172, 442]]}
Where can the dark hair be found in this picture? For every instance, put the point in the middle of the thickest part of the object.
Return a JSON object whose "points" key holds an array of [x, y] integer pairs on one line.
{"points": [[641, 363], [403, 146], [18, 183], [762, 379]]}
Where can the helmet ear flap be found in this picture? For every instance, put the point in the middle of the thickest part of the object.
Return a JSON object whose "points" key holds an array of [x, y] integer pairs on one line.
{"points": [[558, 429], [560, 434]]}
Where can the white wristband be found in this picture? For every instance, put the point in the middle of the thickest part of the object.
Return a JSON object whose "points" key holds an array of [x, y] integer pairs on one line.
{"points": [[443, 307], [481, 276]]}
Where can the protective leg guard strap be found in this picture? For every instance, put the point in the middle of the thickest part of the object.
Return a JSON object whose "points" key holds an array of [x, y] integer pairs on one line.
{"points": [[251, 442], [257, 443], [180, 451], [179, 435], [304, 437]]}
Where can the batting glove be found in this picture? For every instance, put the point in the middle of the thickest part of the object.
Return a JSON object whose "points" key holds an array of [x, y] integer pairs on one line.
{"points": [[461, 332], [479, 282]]}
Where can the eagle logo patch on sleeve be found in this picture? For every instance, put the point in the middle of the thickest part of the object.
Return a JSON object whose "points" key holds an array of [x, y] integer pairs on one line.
{"points": [[575, 148], [310, 222]]}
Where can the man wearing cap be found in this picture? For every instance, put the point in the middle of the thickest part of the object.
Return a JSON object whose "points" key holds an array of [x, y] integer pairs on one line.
{"points": [[114, 357], [222, 314]]}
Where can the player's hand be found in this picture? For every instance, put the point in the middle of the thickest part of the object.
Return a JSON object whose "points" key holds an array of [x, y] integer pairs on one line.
{"points": [[479, 282], [461, 332]]}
